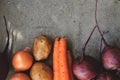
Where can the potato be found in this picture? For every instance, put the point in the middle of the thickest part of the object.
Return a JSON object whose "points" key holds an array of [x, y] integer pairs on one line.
{"points": [[41, 48], [40, 71]]}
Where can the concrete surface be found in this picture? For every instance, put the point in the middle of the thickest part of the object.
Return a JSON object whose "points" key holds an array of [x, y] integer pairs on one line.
{"points": [[73, 19]]}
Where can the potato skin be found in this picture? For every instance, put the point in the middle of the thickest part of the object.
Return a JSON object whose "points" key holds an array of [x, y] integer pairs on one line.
{"points": [[41, 48], [40, 71]]}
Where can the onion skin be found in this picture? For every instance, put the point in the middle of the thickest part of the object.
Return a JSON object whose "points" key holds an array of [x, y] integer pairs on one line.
{"points": [[107, 76], [111, 58], [19, 76], [87, 69], [22, 60]]}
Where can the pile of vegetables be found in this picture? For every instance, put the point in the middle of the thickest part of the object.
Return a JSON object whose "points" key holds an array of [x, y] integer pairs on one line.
{"points": [[31, 66]]}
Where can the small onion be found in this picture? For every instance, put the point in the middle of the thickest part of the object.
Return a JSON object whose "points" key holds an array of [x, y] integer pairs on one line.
{"points": [[22, 60]]}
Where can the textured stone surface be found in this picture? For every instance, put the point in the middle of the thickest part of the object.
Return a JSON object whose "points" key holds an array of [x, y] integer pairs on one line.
{"points": [[73, 19]]}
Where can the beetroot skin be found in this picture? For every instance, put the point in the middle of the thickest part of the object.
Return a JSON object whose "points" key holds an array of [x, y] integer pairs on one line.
{"points": [[111, 58], [107, 76], [87, 69]]}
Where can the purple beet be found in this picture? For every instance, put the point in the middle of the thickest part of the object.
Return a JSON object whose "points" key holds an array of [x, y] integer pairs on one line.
{"points": [[107, 76], [87, 69], [110, 55], [111, 58]]}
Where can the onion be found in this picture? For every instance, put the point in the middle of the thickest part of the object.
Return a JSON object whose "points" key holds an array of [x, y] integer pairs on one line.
{"points": [[19, 76], [22, 60]]}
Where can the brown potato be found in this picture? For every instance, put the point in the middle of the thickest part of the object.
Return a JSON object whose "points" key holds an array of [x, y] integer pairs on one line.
{"points": [[40, 71], [41, 48]]}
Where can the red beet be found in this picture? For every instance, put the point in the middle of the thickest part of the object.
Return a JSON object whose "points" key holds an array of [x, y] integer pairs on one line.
{"points": [[87, 69], [110, 55], [107, 76], [111, 58]]}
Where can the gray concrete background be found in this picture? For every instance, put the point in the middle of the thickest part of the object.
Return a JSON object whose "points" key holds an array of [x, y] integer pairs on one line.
{"points": [[73, 19]]}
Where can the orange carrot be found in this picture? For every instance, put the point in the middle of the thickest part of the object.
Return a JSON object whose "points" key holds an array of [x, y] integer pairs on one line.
{"points": [[69, 59], [56, 60], [64, 72]]}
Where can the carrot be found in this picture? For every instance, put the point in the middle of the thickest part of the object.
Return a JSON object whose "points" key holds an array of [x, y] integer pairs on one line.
{"points": [[69, 59], [64, 72], [56, 60], [60, 63]]}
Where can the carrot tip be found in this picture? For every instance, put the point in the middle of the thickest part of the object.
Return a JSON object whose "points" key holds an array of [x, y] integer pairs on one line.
{"points": [[62, 39]]}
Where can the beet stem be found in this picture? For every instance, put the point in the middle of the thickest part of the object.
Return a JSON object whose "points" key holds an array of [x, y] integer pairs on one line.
{"points": [[84, 48], [100, 52], [98, 25], [100, 46]]}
